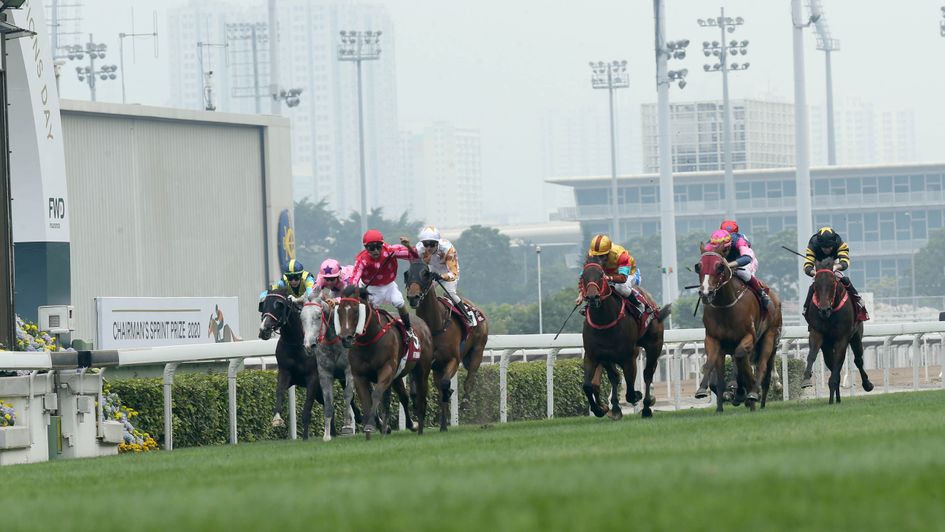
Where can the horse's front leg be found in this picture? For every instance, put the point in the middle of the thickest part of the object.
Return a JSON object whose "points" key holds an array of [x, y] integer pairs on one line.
{"points": [[653, 351], [592, 378], [766, 349], [744, 376], [401, 390], [349, 426], [363, 388], [325, 377], [615, 411], [715, 361], [856, 343], [839, 357], [282, 384], [815, 341], [384, 378]]}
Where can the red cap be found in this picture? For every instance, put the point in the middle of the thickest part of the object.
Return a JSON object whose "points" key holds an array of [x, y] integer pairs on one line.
{"points": [[729, 225], [372, 235]]}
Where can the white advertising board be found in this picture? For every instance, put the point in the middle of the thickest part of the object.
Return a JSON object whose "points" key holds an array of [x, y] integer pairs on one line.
{"points": [[123, 322]]}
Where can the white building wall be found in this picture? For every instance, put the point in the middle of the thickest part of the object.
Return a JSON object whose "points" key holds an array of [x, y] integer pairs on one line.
{"points": [[172, 203]]}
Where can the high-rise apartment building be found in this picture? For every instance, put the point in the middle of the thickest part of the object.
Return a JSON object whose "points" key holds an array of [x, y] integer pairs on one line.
{"points": [[442, 174], [863, 133], [762, 135], [325, 123]]}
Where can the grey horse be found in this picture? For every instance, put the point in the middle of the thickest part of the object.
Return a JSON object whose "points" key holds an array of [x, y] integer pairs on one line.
{"points": [[331, 358]]}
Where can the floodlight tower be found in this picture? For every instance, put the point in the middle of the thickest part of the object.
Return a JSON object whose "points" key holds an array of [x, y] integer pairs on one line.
{"points": [[827, 44], [611, 76], [722, 50]]}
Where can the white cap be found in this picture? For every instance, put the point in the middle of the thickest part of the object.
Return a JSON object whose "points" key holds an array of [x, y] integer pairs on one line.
{"points": [[429, 233]]}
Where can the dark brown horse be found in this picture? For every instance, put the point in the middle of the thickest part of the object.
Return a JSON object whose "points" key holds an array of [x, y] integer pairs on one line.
{"points": [[612, 338], [377, 355], [735, 325], [833, 326], [449, 346], [296, 368]]}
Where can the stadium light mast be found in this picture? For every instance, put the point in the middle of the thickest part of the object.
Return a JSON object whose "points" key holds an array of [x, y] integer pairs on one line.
{"points": [[357, 47], [664, 78], [721, 50], [611, 76], [827, 44]]}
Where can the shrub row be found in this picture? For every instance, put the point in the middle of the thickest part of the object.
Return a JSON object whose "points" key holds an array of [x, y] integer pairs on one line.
{"points": [[200, 401]]}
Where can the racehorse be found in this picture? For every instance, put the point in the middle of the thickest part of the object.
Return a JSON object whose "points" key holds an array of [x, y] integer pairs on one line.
{"points": [[331, 358], [378, 354], [833, 325], [450, 342], [612, 337], [735, 325], [295, 368]]}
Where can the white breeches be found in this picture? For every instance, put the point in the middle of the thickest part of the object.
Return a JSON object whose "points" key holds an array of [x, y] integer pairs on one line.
{"points": [[388, 293]]}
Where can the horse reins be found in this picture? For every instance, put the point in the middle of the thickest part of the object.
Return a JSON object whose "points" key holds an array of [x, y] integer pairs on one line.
{"points": [[322, 337], [731, 275], [836, 281], [604, 293]]}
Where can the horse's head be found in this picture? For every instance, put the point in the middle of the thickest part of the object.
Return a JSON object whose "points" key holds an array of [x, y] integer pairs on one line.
{"points": [[418, 281], [593, 283], [314, 317], [351, 314], [714, 272], [825, 287], [275, 308]]}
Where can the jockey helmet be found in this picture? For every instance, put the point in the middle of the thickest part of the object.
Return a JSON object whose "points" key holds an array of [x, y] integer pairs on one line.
{"points": [[720, 239], [330, 268], [729, 225], [429, 233], [827, 238], [294, 270], [600, 245], [372, 235]]}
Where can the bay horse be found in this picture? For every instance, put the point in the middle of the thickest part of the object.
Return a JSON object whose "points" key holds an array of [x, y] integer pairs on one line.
{"points": [[831, 318], [378, 355], [735, 325], [450, 348], [612, 338], [321, 341], [295, 367]]}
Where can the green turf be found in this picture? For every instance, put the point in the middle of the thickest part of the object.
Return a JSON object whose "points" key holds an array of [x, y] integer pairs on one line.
{"points": [[873, 463]]}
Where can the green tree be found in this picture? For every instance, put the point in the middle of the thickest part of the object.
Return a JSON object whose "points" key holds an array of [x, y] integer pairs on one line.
{"points": [[929, 264], [777, 267], [315, 230], [348, 240], [486, 266]]}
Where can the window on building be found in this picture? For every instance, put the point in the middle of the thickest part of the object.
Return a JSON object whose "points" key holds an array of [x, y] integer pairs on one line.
{"points": [[934, 219], [901, 184], [837, 187], [820, 187], [648, 194], [757, 189], [933, 183], [742, 191], [917, 183], [854, 185], [592, 196], [919, 225], [774, 189], [869, 185], [885, 184]]}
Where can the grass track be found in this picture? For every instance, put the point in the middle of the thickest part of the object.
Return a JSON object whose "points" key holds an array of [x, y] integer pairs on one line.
{"points": [[873, 463]]}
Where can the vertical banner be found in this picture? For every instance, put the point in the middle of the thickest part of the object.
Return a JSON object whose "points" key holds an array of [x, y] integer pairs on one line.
{"points": [[286, 237], [37, 168]]}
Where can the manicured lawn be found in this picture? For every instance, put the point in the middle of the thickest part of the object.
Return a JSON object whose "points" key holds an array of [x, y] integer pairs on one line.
{"points": [[876, 462]]}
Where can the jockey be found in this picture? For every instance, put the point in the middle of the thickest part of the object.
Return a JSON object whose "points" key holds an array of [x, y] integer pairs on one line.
{"points": [[376, 269], [333, 277], [826, 243], [297, 280], [732, 227], [741, 258], [441, 258], [619, 267]]}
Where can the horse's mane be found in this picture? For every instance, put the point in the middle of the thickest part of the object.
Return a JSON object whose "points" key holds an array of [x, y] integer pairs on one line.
{"points": [[280, 291], [354, 291], [824, 264]]}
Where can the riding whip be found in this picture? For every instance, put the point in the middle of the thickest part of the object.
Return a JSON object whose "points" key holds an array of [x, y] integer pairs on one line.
{"points": [[794, 252], [566, 320], [696, 309]]}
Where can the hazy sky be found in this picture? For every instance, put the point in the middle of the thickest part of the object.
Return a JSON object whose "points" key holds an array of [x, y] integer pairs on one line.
{"points": [[499, 65]]}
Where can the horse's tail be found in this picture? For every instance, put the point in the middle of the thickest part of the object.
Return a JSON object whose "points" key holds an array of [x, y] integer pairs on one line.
{"points": [[665, 311]]}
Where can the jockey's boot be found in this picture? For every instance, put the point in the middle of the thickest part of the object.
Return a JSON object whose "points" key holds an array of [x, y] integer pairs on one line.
{"points": [[759, 288], [861, 314], [636, 302], [810, 297], [405, 317]]}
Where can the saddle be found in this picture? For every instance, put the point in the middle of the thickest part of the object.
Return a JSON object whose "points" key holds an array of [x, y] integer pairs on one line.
{"points": [[461, 316], [410, 341], [649, 312]]}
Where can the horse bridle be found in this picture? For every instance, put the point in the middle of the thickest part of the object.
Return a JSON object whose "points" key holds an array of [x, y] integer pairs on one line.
{"points": [[326, 322], [278, 322], [836, 283], [364, 318], [731, 273], [604, 290]]}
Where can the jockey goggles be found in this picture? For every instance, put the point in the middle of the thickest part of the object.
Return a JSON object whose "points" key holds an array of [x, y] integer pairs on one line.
{"points": [[430, 243], [373, 246]]}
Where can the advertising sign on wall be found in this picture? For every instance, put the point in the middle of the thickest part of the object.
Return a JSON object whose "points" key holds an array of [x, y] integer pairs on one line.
{"points": [[126, 322]]}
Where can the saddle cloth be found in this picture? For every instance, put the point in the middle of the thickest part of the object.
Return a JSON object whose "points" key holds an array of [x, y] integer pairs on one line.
{"points": [[462, 315]]}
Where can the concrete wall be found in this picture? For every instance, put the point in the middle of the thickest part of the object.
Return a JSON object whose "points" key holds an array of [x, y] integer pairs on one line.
{"points": [[167, 202]]}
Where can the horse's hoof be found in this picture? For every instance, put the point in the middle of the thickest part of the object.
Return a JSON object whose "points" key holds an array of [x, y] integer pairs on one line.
{"points": [[649, 402], [637, 395], [751, 405], [808, 382], [277, 421], [753, 397], [326, 437], [867, 386], [728, 396], [647, 412], [347, 430], [615, 414], [702, 393], [367, 436]]}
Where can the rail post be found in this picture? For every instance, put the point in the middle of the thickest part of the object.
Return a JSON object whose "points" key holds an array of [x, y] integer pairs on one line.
{"points": [[785, 381], [293, 424], [232, 370], [550, 381], [169, 370], [504, 386]]}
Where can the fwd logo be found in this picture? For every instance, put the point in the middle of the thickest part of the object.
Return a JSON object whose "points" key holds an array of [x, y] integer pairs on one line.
{"points": [[57, 208]]}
